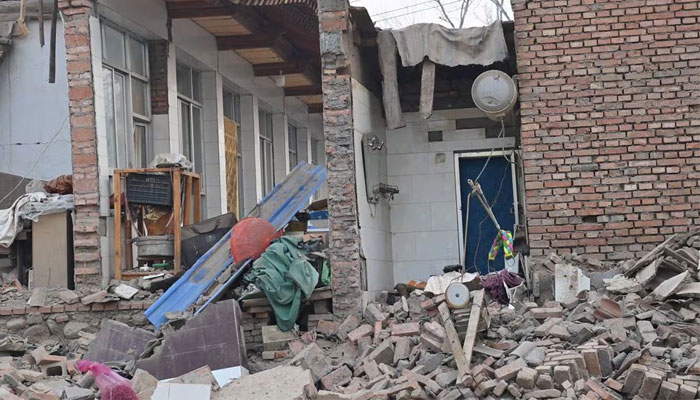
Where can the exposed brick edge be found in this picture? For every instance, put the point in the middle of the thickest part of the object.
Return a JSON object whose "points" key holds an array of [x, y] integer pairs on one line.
{"points": [[83, 131], [338, 129], [96, 307]]}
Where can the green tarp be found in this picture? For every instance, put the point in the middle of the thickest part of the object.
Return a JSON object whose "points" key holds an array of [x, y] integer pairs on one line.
{"points": [[286, 277]]}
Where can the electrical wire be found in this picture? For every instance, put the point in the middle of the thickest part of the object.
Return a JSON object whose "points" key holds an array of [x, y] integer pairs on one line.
{"points": [[417, 11], [490, 154], [38, 160], [401, 8]]}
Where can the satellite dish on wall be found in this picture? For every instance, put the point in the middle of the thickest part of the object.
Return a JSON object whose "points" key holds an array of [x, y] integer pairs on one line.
{"points": [[494, 93]]}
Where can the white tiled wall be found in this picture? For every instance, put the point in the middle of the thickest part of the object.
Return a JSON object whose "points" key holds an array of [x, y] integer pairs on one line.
{"points": [[374, 219], [424, 216]]}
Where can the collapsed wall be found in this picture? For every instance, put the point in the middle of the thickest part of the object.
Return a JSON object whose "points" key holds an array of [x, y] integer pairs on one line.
{"points": [[610, 100]]}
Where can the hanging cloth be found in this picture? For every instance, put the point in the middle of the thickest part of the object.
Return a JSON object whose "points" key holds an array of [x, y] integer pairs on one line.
{"points": [[503, 240]]}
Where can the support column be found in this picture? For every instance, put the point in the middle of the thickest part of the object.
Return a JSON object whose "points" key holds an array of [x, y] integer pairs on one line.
{"points": [[213, 138], [81, 109], [336, 44]]}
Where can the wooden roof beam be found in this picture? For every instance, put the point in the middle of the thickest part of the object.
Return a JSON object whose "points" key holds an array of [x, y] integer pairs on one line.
{"points": [[279, 44], [288, 68], [302, 91], [244, 42], [245, 16], [316, 108]]}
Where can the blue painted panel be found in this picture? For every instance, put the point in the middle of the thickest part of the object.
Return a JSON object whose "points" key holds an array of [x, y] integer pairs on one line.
{"points": [[278, 207], [497, 184]]}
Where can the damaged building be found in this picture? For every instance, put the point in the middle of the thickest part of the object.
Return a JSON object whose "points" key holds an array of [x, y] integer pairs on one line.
{"points": [[211, 197]]}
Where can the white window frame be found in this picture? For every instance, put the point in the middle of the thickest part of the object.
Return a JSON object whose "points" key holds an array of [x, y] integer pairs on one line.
{"points": [[133, 119], [191, 103], [293, 145], [267, 150]]}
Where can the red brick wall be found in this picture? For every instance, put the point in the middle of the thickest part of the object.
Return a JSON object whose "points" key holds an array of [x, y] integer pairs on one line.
{"points": [[610, 95], [158, 64], [83, 138]]}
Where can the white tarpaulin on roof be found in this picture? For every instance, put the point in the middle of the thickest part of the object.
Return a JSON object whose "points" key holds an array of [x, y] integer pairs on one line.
{"points": [[451, 47], [30, 206]]}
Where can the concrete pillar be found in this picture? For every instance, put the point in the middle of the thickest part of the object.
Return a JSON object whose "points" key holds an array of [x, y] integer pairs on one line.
{"points": [[83, 128], [214, 184], [336, 43], [280, 144], [250, 152]]}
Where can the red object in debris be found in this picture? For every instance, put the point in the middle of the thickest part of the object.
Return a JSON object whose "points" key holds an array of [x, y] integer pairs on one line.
{"points": [[250, 237], [111, 385]]}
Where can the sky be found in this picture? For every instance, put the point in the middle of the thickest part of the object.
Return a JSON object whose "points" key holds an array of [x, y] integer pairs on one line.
{"points": [[401, 13]]}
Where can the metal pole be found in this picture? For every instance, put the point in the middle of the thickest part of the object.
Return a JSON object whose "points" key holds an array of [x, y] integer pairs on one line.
{"points": [[480, 195]]}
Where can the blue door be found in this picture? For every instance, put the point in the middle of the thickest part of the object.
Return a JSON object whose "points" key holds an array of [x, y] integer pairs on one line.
{"points": [[497, 185]]}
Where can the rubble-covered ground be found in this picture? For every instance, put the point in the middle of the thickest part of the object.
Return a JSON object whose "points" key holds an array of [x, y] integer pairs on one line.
{"points": [[633, 333]]}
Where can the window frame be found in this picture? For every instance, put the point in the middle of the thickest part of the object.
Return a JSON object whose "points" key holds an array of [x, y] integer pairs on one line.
{"points": [[267, 150], [293, 133], [133, 118], [192, 104]]}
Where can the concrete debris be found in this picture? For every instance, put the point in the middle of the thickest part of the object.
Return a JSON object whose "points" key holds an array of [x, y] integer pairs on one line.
{"points": [[288, 383]]}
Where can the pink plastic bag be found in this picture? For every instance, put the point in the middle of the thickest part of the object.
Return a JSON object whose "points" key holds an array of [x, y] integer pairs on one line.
{"points": [[111, 385]]}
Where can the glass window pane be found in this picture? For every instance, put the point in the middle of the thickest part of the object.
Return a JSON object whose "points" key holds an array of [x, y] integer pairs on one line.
{"points": [[120, 118], [139, 96], [140, 157], [196, 85], [185, 138], [237, 108], [197, 139], [109, 117], [184, 80], [314, 151], [270, 167], [114, 52], [137, 57], [261, 121], [228, 105], [270, 128], [292, 136]]}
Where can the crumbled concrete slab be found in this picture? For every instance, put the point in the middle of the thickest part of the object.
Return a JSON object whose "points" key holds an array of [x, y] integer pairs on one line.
{"points": [[292, 383], [181, 391]]}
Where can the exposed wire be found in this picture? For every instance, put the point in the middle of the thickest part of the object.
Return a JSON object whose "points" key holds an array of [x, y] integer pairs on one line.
{"points": [[417, 11], [38, 160], [401, 8], [490, 154]]}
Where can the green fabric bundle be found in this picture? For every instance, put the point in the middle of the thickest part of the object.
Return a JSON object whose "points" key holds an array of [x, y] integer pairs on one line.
{"points": [[286, 277]]}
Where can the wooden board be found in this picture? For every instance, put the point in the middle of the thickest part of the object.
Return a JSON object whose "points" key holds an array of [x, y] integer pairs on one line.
{"points": [[221, 26], [231, 151], [50, 251], [473, 326], [294, 80], [260, 56], [460, 359]]}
